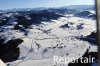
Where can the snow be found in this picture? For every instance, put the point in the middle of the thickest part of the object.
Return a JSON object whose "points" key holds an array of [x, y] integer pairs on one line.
{"points": [[2, 63], [48, 40], [92, 11]]}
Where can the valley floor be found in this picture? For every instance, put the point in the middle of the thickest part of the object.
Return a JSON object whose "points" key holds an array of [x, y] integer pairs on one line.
{"points": [[51, 39]]}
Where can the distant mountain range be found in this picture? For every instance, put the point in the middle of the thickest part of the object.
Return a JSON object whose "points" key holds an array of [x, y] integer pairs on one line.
{"points": [[81, 7], [76, 7]]}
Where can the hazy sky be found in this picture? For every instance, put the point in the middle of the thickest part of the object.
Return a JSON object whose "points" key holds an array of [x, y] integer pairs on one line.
{"points": [[9, 4]]}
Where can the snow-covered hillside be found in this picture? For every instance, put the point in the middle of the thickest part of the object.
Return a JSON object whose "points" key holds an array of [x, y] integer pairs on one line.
{"points": [[58, 37]]}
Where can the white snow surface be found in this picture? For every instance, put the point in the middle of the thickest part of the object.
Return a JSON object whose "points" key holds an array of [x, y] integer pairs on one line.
{"points": [[2, 63], [47, 40]]}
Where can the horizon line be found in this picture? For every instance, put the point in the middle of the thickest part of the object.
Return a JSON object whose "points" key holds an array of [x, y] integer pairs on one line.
{"points": [[42, 7]]}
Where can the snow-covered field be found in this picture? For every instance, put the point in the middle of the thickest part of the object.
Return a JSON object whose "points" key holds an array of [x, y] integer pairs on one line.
{"points": [[49, 39]]}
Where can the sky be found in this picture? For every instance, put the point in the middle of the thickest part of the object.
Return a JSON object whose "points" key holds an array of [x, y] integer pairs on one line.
{"points": [[10, 4]]}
